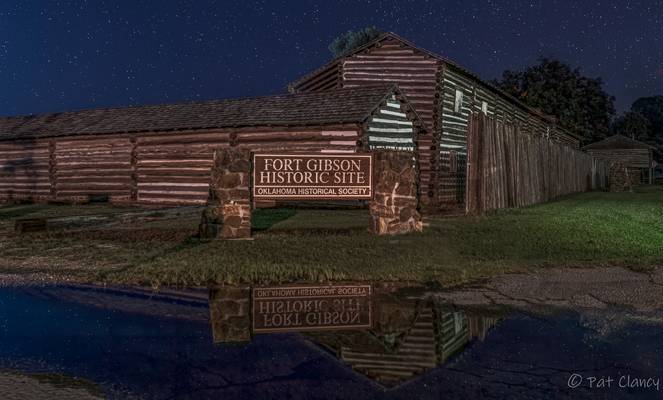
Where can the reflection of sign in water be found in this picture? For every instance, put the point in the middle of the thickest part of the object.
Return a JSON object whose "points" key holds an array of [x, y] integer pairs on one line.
{"points": [[312, 176], [311, 308]]}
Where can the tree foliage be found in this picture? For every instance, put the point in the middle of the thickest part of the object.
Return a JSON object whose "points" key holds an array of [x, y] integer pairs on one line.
{"points": [[652, 109], [579, 102], [351, 40], [634, 125]]}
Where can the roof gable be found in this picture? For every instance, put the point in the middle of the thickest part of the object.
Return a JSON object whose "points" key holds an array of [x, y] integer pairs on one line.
{"points": [[392, 36], [384, 36], [617, 142]]}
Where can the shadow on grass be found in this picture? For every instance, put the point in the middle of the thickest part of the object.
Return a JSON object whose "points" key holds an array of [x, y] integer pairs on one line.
{"points": [[264, 218], [20, 210]]}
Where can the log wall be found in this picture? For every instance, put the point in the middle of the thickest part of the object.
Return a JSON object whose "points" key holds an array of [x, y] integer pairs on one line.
{"points": [[326, 78], [478, 98], [175, 169], [390, 129], [25, 170], [632, 158], [511, 168], [417, 75], [430, 83], [152, 168], [86, 167], [638, 160]]}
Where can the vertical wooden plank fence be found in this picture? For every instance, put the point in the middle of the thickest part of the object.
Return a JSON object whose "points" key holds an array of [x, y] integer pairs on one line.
{"points": [[507, 168]]}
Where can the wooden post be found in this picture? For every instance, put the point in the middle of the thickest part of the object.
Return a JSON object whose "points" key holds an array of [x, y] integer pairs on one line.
{"points": [[133, 194], [52, 169], [475, 148], [651, 170]]}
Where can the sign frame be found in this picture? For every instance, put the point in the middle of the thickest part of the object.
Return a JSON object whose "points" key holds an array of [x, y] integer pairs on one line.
{"points": [[295, 197]]}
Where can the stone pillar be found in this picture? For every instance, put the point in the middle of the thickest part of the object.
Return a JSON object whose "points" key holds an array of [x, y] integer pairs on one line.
{"points": [[394, 208], [620, 180], [230, 313], [228, 211]]}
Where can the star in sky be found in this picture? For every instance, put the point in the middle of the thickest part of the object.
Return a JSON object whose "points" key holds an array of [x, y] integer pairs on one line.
{"points": [[64, 55]]}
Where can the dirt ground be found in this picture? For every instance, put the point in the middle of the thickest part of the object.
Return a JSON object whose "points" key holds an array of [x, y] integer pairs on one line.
{"points": [[576, 288]]}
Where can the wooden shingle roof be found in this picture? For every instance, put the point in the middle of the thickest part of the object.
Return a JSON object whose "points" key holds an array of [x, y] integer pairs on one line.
{"points": [[617, 142], [351, 105]]}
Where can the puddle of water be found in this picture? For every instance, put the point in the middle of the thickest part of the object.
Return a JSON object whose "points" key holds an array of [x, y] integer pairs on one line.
{"points": [[135, 344]]}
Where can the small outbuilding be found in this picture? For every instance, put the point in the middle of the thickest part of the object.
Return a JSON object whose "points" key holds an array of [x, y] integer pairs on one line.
{"points": [[636, 156]]}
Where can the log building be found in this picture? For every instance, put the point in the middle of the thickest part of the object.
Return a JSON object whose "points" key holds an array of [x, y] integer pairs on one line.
{"points": [[388, 93], [162, 154], [444, 94], [634, 155]]}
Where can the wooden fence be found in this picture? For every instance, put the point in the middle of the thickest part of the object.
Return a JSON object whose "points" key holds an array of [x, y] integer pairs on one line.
{"points": [[507, 168]]}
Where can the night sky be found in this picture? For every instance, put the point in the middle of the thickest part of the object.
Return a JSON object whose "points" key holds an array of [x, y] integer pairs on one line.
{"points": [[64, 55]]}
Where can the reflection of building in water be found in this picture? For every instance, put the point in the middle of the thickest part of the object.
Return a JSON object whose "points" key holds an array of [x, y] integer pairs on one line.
{"points": [[433, 337], [415, 353], [408, 336]]}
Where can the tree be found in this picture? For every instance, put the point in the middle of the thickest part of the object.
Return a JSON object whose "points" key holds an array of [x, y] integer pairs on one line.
{"points": [[578, 102], [652, 109], [351, 40], [634, 125]]}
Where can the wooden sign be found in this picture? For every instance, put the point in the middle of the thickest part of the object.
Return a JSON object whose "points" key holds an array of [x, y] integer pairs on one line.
{"points": [[307, 308], [297, 176]]}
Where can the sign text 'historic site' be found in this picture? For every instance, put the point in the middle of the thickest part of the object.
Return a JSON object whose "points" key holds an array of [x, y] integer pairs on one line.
{"points": [[312, 176], [286, 308]]}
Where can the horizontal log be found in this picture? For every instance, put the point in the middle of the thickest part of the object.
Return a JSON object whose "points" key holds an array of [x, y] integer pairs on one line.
{"points": [[287, 136], [172, 201], [21, 153], [169, 194], [99, 139], [171, 185], [89, 191], [92, 171], [147, 172], [389, 63], [89, 165], [92, 186], [25, 174], [392, 50], [87, 179], [203, 156], [172, 178], [298, 145], [14, 147], [14, 193], [174, 164], [92, 154]]}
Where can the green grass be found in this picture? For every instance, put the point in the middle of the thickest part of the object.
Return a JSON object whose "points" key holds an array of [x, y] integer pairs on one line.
{"points": [[9, 212], [265, 218], [321, 221], [590, 229]]}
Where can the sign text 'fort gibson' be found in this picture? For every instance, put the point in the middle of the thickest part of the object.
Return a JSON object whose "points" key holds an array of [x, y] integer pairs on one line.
{"points": [[312, 176], [286, 308]]}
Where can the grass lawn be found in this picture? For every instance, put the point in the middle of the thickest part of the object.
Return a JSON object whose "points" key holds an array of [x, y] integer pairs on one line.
{"points": [[590, 229]]}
